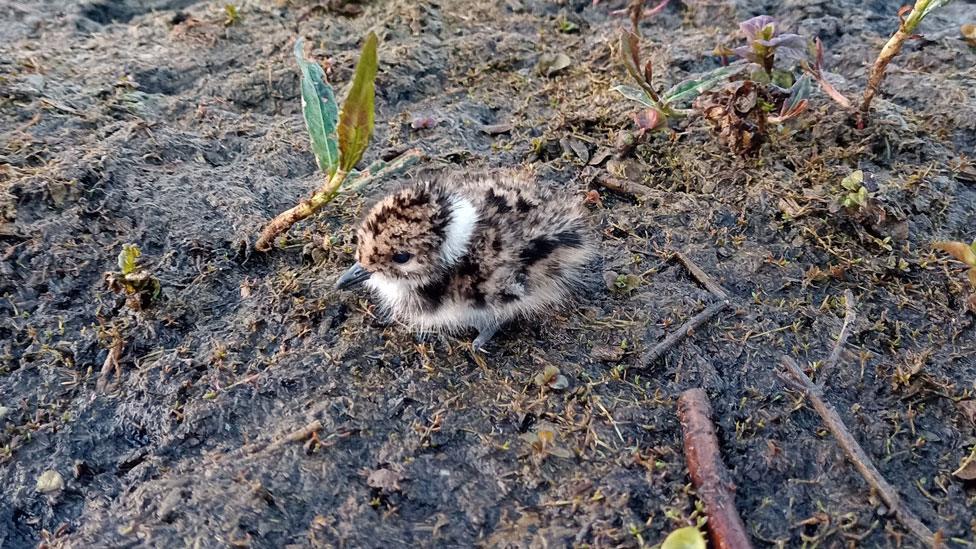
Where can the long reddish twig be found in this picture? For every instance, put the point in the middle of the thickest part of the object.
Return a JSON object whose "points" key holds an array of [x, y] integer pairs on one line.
{"points": [[712, 479]]}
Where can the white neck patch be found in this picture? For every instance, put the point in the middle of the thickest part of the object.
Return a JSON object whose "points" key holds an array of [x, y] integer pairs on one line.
{"points": [[459, 230]]}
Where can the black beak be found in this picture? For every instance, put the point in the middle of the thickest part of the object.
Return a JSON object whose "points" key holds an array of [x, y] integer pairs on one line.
{"points": [[354, 275]]}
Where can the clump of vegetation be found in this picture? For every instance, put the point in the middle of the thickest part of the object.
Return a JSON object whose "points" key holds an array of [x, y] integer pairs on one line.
{"points": [[339, 139], [742, 108], [140, 287], [965, 253], [855, 193], [232, 15], [661, 106]]}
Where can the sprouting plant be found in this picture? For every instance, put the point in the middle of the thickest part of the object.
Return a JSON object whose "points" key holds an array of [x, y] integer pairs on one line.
{"points": [[660, 106], [856, 195], [906, 30], [232, 15], [338, 139], [966, 253], [132, 279], [765, 42]]}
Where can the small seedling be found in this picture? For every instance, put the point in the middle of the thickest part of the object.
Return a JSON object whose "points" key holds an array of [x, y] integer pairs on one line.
{"points": [[133, 280], [764, 43], [338, 139], [662, 105], [232, 15], [856, 195], [906, 29]]}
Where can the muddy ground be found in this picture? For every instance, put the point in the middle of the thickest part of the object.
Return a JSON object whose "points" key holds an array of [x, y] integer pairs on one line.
{"points": [[151, 122]]}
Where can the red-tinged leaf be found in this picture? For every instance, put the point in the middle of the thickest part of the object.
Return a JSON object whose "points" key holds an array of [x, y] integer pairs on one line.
{"points": [[649, 73], [357, 117], [630, 53], [633, 48], [817, 73], [959, 250]]}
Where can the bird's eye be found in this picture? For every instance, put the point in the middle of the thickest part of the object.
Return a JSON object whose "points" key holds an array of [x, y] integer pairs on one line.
{"points": [[401, 257]]}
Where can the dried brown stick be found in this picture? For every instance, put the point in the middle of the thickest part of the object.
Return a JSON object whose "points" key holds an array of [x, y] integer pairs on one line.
{"points": [[624, 186], [294, 436], [845, 332], [111, 363], [702, 277], [683, 331], [856, 454], [708, 472]]}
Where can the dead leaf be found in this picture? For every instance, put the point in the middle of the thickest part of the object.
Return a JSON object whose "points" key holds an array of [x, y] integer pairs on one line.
{"points": [[384, 479], [607, 353], [550, 64], [593, 198], [968, 408], [967, 468], [50, 481], [968, 32]]}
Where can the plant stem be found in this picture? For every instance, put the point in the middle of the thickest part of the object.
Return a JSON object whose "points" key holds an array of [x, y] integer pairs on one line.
{"points": [[305, 208], [905, 30]]}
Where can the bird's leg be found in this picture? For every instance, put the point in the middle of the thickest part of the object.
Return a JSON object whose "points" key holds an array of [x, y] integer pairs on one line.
{"points": [[485, 333]]}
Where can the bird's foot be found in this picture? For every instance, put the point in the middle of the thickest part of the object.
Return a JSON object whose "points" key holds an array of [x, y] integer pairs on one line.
{"points": [[484, 336]]}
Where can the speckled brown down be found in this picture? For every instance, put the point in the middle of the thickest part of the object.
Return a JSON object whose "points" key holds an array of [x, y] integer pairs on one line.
{"points": [[470, 252]]}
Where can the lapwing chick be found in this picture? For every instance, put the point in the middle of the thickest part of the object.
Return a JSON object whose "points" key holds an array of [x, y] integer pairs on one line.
{"points": [[471, 251]]}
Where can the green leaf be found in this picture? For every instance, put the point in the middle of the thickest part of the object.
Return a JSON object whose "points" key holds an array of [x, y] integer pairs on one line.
{"points": [[356, 120], [931, 6], [853, 181], [127, 258], [688, 537], [320, 110], [690, 89], [634, 94]]}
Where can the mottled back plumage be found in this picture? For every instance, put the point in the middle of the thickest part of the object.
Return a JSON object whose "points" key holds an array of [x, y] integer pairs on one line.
{"points": [[476, 251]]}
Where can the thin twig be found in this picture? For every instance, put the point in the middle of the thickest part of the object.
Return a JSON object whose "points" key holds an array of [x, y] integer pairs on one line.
{"points": [[702, 277], [294, 436], [624, 186], [684, 331], [111, 363], [696, 321], [712, 479], [856, 454], [845, 332]]}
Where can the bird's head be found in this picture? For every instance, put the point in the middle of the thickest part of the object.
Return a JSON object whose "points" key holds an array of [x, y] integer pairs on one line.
{"points": [[411, 236]]}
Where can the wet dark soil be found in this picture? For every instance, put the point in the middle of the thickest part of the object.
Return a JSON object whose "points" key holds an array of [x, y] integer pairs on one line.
{"points": [[152, 122]]}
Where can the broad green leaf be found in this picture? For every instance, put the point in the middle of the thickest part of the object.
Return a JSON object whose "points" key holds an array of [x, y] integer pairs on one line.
{"points": [[634, 94], [688, 537], [690, 89], [320, 110], [356, 120], [127, 258]]}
